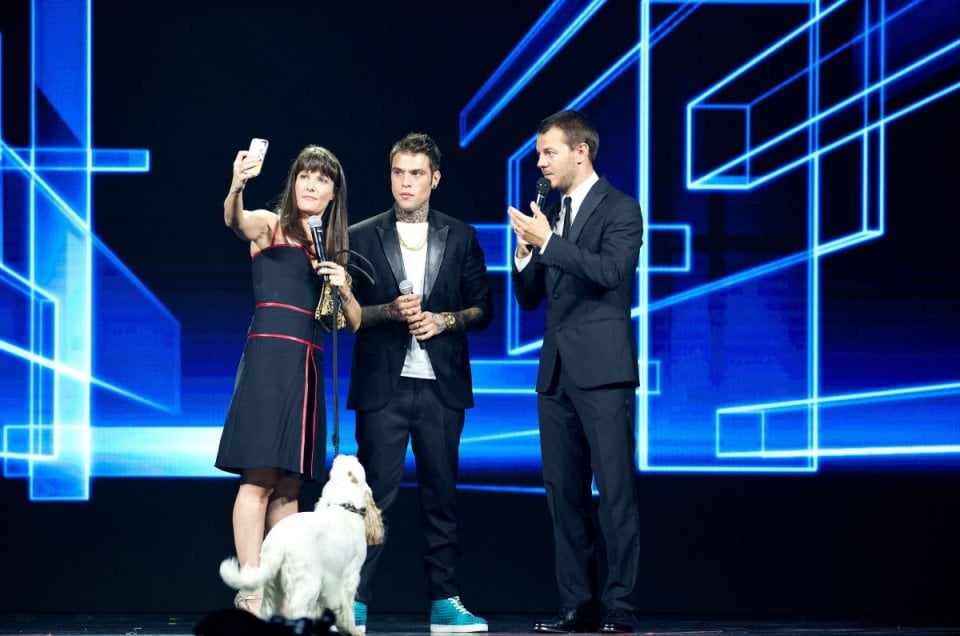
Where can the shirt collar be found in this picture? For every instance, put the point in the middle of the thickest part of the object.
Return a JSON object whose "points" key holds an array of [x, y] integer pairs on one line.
{"points": [[580, 193]]}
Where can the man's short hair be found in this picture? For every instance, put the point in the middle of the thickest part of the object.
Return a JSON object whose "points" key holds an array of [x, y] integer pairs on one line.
{"points": [[576, 127], [418, 143]]}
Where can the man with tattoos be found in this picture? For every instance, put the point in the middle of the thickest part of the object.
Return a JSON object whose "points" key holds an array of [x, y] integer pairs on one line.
{"points": [[410, 378]]}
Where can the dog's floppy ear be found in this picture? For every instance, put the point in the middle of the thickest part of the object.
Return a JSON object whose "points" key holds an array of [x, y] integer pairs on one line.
{"points": [[373, 521]]}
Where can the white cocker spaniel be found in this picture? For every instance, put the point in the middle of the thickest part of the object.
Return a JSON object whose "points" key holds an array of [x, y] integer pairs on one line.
{"points": [[311, 560]]}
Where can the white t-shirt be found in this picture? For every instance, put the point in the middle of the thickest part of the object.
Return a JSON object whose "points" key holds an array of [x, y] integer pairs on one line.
{"points": [[414, 236]]}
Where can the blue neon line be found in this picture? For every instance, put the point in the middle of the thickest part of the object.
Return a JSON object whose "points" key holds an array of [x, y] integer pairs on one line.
{"points": [[752, 2], [846, 399], [672, 21], [78, 222], [837, 51], [641, 454], [739, 469], [748, 140], [865, 451], [527, 348], [24, 285], [36, 179], [728, 281], [612, 73], [519, 490], [882, 151], [534, 68], [830, 111], [515, 53], [81, 375], [33, 409], [813, 239], [502, 436], [865, 154], [503, 363], [93, 167], [767, 52], [845, 242], [906, 110]]}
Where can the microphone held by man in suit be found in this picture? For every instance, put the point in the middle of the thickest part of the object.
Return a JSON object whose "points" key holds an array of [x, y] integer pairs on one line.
{"points": [[406, 288]]}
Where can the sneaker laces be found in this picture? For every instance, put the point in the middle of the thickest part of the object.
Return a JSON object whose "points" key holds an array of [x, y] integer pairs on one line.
{"points": [[457, 605]]}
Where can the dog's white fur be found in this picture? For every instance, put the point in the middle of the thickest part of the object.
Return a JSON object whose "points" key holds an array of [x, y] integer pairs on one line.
{"points": [[312, 560]]}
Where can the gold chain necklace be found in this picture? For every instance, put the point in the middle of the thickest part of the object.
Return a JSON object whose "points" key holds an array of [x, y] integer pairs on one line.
{"points": [[413, 248]]}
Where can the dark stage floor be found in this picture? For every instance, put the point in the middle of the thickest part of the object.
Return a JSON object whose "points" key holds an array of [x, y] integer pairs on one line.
{"points": [[403, 624]]}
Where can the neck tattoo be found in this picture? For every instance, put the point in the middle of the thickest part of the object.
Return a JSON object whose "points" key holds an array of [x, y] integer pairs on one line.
{"points": [[413, 216]]}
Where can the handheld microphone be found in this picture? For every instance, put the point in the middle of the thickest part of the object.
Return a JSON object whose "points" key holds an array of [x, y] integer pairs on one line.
{"points": [[543, 186], [316, 229], [406, 287]]}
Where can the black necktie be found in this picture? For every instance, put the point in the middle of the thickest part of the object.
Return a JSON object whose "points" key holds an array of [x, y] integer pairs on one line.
{"points": [[567, 213]]}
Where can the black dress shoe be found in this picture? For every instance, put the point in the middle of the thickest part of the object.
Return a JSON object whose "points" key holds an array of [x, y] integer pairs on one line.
{"points": [[569, 620], [618, 621]]}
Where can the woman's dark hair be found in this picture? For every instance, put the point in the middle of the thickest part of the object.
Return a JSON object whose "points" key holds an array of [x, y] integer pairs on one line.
{"points": [[317, 159]]}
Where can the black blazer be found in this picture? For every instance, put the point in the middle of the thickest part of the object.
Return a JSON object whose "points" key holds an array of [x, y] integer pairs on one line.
{"points": [[455, 279], [587, 281]]}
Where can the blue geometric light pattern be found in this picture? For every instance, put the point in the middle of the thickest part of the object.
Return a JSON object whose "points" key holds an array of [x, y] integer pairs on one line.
{"points": [[731, 359], [75, 322], [730, 340]]}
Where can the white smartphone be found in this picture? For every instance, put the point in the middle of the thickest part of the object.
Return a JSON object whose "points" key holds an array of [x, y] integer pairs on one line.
{"points": [[257, 150]]}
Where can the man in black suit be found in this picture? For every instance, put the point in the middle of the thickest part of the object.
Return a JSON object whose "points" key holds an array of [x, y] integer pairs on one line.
{"points": [[411, 365], [581, 259]]}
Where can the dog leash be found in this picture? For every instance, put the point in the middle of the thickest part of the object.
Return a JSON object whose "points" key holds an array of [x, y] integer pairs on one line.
{"points": [[333, 332]]}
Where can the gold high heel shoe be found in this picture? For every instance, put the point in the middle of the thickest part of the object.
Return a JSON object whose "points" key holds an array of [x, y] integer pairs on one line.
{"points": [[249, 601]]}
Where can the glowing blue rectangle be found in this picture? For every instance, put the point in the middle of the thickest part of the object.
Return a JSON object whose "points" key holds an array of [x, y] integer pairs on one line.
{"points": [[920, 420], [495, 242], [84, 159], [791, 78]]}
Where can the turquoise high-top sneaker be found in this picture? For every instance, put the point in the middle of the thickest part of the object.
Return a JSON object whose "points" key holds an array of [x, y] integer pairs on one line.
{"points": [[448, 615], [360, 616]]}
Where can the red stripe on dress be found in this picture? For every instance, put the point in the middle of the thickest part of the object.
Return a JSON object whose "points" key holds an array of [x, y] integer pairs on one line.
{"points": [[283, 337], [303, 414], [299, 310], [305, 251]]}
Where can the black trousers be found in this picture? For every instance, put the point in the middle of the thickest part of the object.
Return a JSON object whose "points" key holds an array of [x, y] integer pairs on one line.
{"points": [[586, 434], [417, 414]]}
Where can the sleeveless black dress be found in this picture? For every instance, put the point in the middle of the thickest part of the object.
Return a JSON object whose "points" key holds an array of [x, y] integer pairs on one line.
{"points": [[277, 416]]}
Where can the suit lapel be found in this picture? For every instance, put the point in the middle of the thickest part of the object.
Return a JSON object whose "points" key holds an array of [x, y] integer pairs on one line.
{"points": [[436, 246], [590, 203], [390, 243]]}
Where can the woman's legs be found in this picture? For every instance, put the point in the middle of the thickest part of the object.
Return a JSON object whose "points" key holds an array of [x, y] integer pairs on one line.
{"points": [[257, 486], [283, 501]]}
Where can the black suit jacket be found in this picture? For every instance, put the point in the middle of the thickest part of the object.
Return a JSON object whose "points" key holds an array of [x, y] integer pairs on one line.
{"points": [[587, 281], [455, 279]]}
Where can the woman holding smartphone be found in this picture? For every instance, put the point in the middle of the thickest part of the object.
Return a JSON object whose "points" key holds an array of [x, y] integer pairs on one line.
{"points": [[275, 430]]}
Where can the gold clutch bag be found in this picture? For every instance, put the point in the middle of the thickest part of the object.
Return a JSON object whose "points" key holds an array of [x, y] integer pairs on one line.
{"points": [[324, 312]]}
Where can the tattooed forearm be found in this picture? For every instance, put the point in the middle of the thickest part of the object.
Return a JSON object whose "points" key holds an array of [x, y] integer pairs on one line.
{"points": [[373, 315], [466, 319]]}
